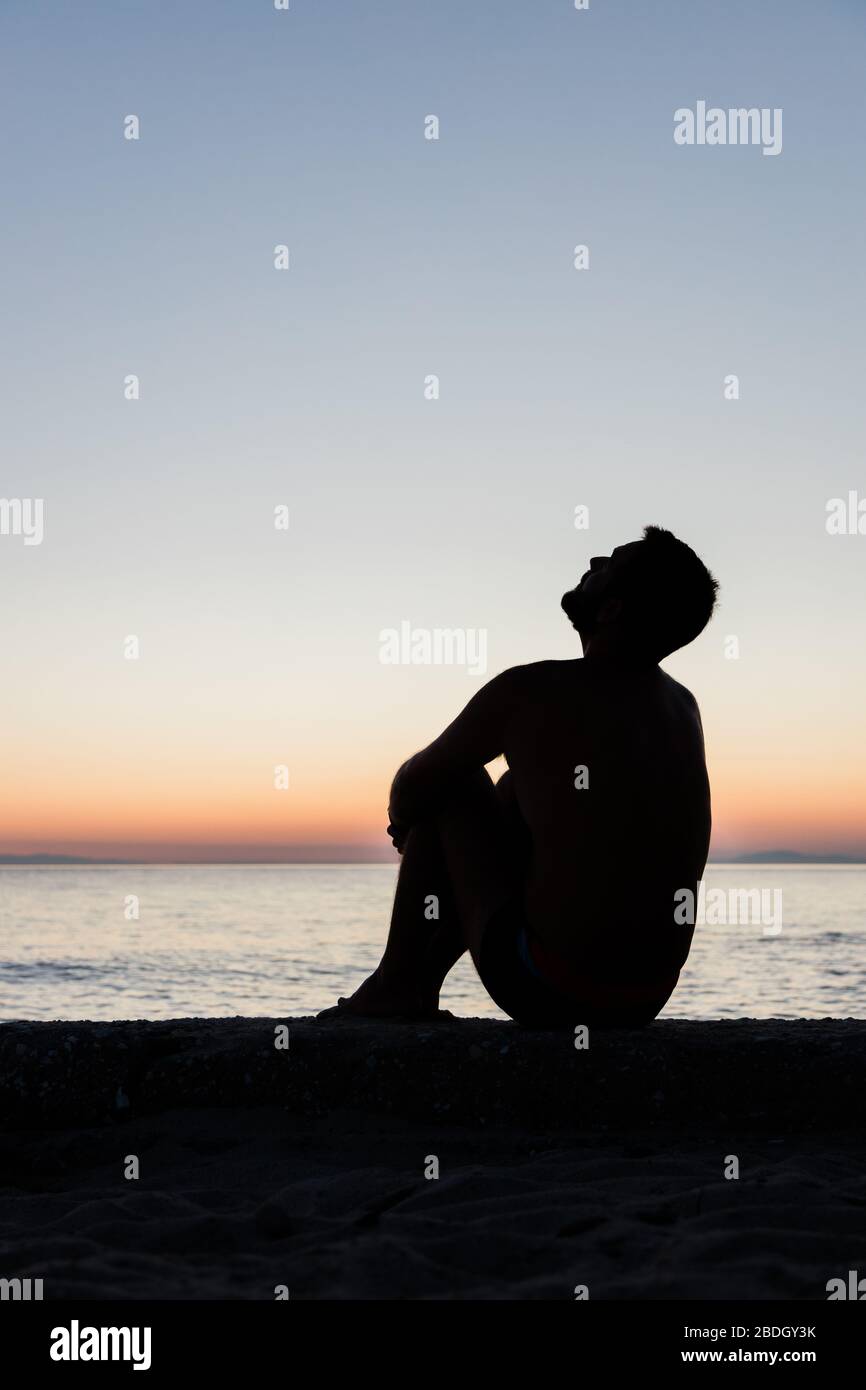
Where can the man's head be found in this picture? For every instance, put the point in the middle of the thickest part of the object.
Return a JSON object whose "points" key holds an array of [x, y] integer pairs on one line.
{"points": [[647, 598]]}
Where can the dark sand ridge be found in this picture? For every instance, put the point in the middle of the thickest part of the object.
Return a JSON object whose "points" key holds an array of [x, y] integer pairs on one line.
{"points": [[558, 1166]]}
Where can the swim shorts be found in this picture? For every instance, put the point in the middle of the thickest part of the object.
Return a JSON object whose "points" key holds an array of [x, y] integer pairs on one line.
{"points": [[540, 989]]}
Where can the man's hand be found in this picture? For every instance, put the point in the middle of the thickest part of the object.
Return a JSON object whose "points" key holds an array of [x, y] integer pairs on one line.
{"points": [[423, 784], [398, 835]]}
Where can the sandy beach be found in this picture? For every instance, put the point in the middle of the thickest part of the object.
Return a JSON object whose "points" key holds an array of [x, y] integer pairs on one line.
{"points": [[305, 1166]]}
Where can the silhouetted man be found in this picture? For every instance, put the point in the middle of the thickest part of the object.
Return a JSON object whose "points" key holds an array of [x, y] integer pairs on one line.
{"points": [[560, 879]]}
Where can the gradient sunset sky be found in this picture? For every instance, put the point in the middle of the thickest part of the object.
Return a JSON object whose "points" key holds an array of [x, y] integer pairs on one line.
{"points": [[306, 388]]}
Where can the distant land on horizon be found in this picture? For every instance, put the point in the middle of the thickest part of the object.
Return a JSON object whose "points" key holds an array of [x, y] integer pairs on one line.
{"points": [[767, 856], [788, 856]]}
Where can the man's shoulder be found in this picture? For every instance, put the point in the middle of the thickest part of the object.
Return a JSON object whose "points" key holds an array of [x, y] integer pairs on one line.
{"points": [[534, 675], [677, 688]]}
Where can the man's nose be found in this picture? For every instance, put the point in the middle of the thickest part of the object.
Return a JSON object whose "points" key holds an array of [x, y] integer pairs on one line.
{"points": [[597, 561]]}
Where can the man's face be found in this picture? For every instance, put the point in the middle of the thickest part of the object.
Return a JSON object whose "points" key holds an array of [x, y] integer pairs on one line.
{"points": [[601, 581]]}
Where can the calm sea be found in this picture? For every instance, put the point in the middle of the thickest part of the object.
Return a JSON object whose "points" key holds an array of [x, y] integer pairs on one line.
{"points": [[287, 939]]}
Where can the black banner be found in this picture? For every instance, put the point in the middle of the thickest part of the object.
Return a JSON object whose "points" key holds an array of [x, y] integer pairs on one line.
{"points": [[162, 1340]]}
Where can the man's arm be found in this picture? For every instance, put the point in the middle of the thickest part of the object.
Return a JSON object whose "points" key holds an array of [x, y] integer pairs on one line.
{"points": [[476, 737]]}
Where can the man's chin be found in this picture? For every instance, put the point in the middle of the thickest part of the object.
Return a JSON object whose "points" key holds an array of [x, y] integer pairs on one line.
{"points": [[571, 606]]}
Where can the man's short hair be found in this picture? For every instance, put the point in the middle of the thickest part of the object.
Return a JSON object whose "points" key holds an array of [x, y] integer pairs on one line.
{"points": [[669, 593]]}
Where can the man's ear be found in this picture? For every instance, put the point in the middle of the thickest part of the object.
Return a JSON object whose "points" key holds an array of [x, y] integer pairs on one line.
{"points": [[610, 611]]}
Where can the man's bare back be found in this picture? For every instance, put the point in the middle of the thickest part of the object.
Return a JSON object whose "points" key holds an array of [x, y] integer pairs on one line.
{"points": [[610, 779]]}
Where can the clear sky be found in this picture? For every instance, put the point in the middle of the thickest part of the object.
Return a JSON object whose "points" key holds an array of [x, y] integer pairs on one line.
{"points": [[410, 257]]}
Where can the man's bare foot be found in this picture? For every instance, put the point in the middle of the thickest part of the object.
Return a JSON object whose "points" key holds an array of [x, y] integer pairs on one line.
{"points": [[375, 999]]}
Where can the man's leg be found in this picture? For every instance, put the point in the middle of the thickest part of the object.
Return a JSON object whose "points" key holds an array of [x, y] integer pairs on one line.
{"points": [[424, 940], [457, 870], [484, 846]]}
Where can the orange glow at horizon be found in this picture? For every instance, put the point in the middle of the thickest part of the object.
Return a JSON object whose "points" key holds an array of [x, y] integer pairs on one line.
{"points": [[787, 806], [772, 805]]}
